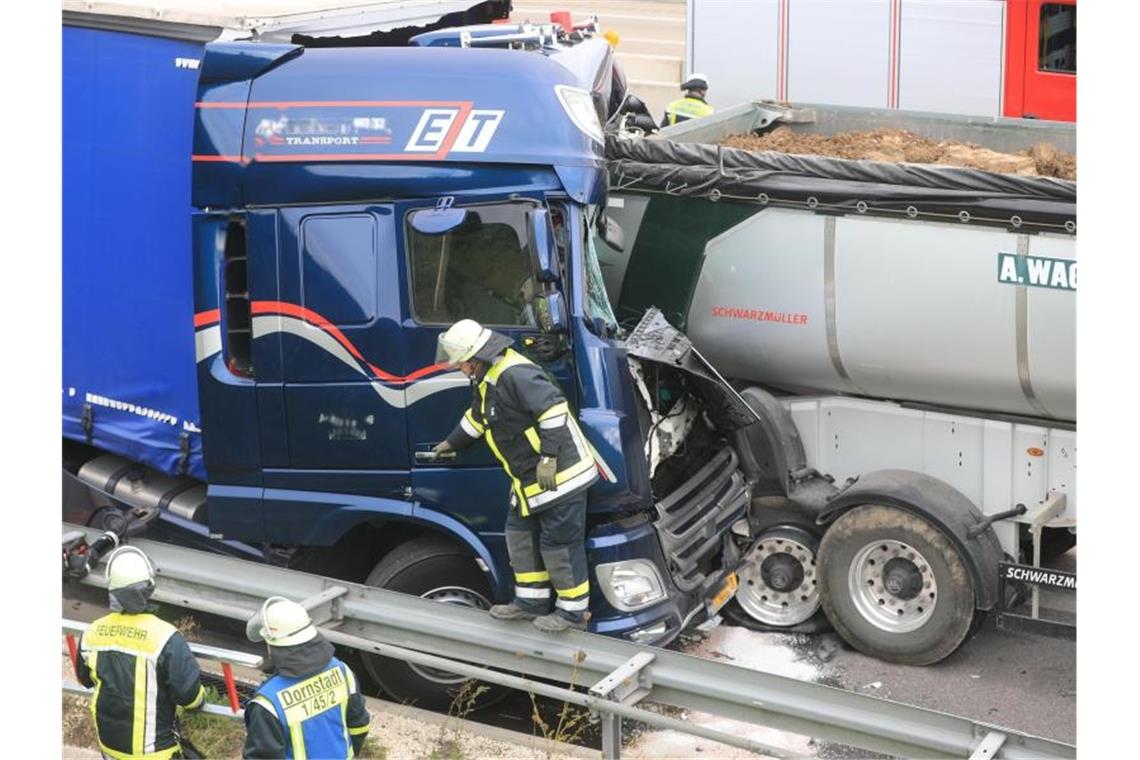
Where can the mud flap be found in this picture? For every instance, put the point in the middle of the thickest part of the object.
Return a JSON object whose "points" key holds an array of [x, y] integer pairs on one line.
{"points": [[1049, 607]]}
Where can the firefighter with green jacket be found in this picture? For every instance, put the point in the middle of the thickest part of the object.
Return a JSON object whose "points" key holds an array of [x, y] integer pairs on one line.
{"points": [[690, 106], [527, 423], [141, 668]]}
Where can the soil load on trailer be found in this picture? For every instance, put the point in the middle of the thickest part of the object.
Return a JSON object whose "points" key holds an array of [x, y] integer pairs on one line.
{"points": [[901, 146]]}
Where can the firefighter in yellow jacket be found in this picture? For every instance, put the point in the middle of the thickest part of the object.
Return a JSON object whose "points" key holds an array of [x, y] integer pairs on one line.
{"points": [[141, 668], [526, 421], [692, 104]]}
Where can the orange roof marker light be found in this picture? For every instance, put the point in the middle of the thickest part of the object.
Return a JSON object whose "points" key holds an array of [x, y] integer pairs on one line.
{"points": [[612, 38]]}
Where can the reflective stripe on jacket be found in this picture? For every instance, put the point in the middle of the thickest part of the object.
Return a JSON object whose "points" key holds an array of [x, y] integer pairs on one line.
{"points": [[523, 415], [683, 109], [314, 711], [140, 668]]}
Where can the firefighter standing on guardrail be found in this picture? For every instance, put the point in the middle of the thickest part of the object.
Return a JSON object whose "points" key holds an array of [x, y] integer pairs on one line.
{"points": [[692, 104], [311, 707], [527, 423], [141, 667]]}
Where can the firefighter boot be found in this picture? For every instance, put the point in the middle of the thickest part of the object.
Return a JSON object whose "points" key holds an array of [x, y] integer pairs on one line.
{"points": [[511, 611], [557, 622]]}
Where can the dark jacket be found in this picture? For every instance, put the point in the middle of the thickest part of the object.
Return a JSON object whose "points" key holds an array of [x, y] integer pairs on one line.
{"points": [[523, 415], [266, 737], [133, 719]]}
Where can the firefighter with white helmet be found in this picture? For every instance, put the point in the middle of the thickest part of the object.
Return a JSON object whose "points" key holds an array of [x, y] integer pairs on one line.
{"points": [[141, 667], [311, 706], [527, 423], [692, 104]]}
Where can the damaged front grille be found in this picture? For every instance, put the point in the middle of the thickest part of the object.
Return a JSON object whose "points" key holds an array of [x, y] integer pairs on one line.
{"points": [[693, 520]]}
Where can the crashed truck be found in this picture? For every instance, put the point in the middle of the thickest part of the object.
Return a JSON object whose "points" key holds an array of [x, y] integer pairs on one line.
{"points": [[906, 334]]}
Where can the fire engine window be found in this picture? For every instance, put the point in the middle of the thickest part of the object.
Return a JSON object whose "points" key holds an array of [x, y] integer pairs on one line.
{"points": [[480, 270], [338, 268], [1057, 38]]}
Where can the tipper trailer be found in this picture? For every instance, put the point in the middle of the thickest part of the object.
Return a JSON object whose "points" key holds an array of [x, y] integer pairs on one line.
{"points": [[908, 332]]}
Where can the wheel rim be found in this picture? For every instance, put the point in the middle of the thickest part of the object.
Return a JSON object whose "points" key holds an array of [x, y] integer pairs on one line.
{"points": [[464, 597], [892, 586], [778, 579]]}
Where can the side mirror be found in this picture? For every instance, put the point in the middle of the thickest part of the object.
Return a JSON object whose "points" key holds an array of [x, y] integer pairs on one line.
{"points": [[542, 243], [550, 312], [437, 221], [610, 232], [634, 104]]}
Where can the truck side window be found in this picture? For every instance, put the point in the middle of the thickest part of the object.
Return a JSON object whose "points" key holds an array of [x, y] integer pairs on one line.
{"points": [[599, 311], [338, 268], [480, 271], [1057, 39]]}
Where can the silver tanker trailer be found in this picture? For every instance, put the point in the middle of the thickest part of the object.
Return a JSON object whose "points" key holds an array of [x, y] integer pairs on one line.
{"points": [[906, 336]]}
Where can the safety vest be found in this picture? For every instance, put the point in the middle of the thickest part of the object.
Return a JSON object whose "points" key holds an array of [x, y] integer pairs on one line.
{"points": [[683, 109], [312, 710], [518, 435], [134, 718]]}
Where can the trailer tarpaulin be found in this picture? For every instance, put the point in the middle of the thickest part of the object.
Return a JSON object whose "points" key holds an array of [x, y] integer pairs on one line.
{"points": [[715, 171]]}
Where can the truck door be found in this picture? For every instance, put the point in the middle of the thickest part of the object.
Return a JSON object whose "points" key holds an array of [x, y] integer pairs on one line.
{"points": [[337, 318], [483, 270], [1041, 60]]}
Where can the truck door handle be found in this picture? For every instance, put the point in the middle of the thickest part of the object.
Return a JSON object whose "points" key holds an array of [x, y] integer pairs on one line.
{"points": [[431, 456]]}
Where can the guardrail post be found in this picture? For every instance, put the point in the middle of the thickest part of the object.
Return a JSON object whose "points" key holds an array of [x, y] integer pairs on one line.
{"points": [[611, 736], [988, 747], [628, 684]]}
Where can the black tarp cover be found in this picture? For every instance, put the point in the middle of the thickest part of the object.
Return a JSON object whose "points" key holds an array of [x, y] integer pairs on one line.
{"points": [[696, 169]]}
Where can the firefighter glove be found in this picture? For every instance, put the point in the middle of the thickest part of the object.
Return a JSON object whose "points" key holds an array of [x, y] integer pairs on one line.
{"points": [[545, 471], [442, 447]]}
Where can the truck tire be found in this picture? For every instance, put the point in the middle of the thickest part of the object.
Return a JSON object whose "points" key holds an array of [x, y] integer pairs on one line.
{"points": [[894, 587], [778, 588], [433, 568]]}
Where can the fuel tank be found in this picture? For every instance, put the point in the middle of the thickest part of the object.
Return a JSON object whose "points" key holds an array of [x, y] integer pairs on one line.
{"points": [[945, 313]]}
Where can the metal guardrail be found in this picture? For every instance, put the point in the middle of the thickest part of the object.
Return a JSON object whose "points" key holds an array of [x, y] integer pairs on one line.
{"points": [[622, 672]]}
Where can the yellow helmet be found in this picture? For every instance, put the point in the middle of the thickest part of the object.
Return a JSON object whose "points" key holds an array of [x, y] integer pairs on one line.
{"points": [[461, 341], [285, 623], [127, 566]]}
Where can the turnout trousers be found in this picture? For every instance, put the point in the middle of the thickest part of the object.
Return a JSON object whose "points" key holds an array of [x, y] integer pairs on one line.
{"points": [[548, 557]]}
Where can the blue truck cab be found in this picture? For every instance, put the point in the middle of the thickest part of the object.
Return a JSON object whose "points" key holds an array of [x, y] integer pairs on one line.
{"points": [[320, 254]]}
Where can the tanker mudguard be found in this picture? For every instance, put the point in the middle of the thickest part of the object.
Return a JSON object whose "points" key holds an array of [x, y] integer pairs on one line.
{"points": [[941, 504]]}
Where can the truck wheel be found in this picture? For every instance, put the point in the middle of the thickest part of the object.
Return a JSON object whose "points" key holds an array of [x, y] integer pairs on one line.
{"points": [[433, 568], [894, 587], [779, 588]]}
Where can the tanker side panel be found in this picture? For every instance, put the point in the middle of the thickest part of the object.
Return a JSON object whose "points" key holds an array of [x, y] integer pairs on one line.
{"points": [[128, 334], [964, 316]]}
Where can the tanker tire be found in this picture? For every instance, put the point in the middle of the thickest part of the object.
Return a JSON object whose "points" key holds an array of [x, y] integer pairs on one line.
{"points": [[945, 626], [418, 567]]}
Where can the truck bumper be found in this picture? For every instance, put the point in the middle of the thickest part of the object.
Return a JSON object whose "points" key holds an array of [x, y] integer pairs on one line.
{"points": [[690, 545]]}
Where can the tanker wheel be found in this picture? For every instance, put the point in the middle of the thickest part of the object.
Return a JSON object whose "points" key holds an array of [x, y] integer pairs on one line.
{"points": [[894, 587], [432, 568], [779, 588]]}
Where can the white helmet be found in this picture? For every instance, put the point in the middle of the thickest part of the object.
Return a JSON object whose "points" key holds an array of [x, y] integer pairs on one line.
{"points": [[695, 82], [127, 566], [461, 341], [285, 623]]}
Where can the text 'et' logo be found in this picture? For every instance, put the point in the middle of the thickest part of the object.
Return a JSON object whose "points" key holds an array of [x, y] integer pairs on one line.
{"points": [[436, 123]]}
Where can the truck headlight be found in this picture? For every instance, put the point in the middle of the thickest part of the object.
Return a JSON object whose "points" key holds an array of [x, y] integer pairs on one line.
{"points": [[631, 584]]}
